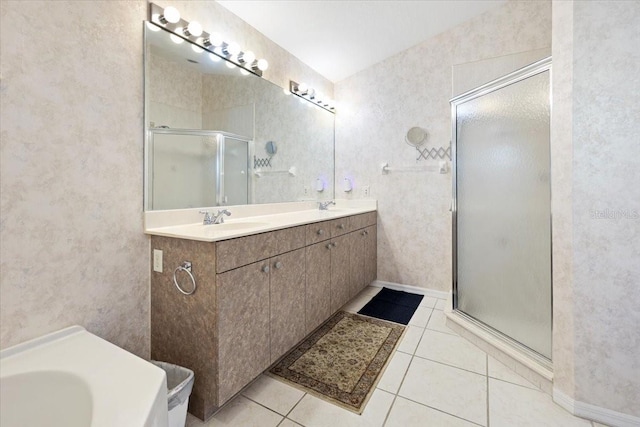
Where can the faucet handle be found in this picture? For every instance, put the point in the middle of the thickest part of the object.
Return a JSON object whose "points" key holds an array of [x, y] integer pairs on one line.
{"points": [[207, 217]]}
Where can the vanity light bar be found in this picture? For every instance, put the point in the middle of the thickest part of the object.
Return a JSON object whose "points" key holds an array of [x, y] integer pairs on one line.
{"points": [[310, 94], [169, 19]]}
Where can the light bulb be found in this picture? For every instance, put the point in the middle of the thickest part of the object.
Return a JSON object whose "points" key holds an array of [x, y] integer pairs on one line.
{"points": [[194, 28], [230, 64], [171, 14], [216, 39], [244, 72], [247, 57], [311, 93], [263, 64], [196, 49], [232, 49], [214, 58], [176, 39], [303, 88]]}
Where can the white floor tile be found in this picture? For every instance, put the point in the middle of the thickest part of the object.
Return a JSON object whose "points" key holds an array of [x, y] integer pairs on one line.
{"points": [[274, 394], [421, 316], [314, 412], [513, 405], [405, 413], [449, 389], [437, 322], [500, 371], [410, 339], [452, 350], [393, 375], [241, 412], [428, 302], [288, 423], [441, 304]]}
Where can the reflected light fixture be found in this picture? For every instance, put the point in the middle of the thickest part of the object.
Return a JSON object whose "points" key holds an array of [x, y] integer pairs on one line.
{"points": [[311, 95], [169, 19]]}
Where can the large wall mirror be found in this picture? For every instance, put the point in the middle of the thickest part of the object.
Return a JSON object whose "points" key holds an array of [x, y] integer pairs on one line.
{"points": [[218, 135]]}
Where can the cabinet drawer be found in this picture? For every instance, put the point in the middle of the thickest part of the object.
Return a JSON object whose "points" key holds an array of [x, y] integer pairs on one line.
{"points": [[290, 239], [318, 232], [362, 220], [235, 253], [339, 226]]}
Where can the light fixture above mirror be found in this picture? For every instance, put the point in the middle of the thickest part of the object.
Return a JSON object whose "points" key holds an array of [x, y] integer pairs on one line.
{"points": [[169, 19], [313, 96]]}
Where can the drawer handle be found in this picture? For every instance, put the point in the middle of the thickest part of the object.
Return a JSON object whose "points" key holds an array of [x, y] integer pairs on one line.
{"points": [[278, 265], [265, 268], [320, 232], [341, 226]]}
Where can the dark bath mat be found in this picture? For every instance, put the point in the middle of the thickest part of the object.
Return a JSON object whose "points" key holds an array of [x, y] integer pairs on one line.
{"points": [[395, 306]]}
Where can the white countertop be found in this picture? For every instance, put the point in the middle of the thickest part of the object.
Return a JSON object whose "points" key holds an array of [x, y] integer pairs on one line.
{"points": [[248, 220]]}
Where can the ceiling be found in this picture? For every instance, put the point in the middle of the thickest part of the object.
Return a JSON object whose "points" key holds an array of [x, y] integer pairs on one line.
{"points": [[338, 38]]}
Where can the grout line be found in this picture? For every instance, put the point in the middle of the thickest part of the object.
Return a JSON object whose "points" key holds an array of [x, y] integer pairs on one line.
{"points": [[294, 406], [386, 418], [486, 360], [532, 387], [440, 410], [258, 403], [449, 365]]}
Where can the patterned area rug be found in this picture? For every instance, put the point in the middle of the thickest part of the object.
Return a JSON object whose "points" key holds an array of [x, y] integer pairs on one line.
{"points": [[342, 360]]}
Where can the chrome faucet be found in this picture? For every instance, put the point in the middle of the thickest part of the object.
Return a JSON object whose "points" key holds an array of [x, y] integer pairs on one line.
{"points": [[218, 218], [323, 206]]}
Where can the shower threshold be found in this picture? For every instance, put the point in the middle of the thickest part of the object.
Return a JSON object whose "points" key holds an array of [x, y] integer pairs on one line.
{"points": [[525, 362]]}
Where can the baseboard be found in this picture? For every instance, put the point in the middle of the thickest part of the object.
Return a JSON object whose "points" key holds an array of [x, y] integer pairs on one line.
{"points": [[595, 413], [412, 289]]}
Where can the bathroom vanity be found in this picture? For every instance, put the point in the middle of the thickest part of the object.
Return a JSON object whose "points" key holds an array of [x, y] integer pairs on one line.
{"points": [[261, 289]]}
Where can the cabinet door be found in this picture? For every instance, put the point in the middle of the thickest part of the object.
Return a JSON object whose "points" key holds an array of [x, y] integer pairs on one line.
{"points": [[340, 272], [287, 302], [371, 255], [243, 319], [318, 290], [357, 254]]}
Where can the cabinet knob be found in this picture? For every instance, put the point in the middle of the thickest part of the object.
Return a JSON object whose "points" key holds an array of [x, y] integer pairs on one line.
{"points": [[265, 268], [366, 232], [278, 265], [341, 226], [362, 233], [320, 232], [334, 244], [328, 245]]}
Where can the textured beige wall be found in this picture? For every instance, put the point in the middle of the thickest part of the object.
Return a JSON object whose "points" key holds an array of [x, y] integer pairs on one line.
{"points": [[72, 249], [597, 127], [376, 108], [561, 203]]}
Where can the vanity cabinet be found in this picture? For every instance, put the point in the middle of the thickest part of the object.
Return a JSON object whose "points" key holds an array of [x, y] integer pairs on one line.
{"points": [[243, 327], [257, 296]]}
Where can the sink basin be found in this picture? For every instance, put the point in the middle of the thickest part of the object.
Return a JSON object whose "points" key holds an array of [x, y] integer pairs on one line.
{"points": [[72, 378], [234, 226], [336, 210]]}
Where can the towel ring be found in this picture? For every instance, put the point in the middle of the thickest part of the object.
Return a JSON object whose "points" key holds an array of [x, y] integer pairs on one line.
{"points": [[186, 267]]}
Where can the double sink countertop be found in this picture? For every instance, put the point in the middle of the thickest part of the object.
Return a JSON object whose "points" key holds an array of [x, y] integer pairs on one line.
{"points": [[247, 219]]}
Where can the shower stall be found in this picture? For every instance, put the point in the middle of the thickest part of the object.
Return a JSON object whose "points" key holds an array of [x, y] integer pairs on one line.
{"points": [[502, 209], [194, 168]]}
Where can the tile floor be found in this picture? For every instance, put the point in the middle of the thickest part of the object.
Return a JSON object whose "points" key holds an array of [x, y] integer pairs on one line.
{"points": [[435, 378]]}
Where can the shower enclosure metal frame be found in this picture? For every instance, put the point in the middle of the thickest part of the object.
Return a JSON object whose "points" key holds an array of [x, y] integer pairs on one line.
{"points": [[219, 165], [502, 82]]}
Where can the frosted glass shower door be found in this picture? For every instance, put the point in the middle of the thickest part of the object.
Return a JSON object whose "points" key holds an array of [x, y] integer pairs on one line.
{"points": [[502, 234]]}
